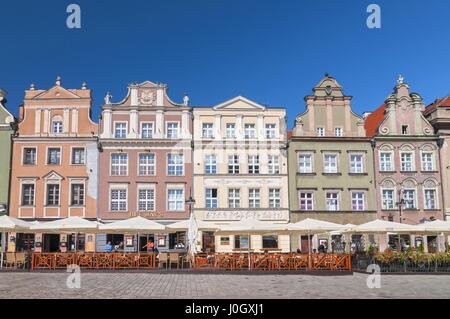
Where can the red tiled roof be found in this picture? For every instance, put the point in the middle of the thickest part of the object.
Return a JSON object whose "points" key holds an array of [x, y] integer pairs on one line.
{"points": [[374, 120], [444, 102], [289, 134]]}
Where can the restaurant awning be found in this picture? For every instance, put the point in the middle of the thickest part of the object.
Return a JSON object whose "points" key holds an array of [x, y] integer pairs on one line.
{"points": [[437, 226], [184, 225], [382, 226], [314, 226], [135, 225], [11, 224], [67, 225]]}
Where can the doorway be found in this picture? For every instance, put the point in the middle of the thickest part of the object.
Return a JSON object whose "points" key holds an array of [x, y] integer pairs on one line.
{"points": [[304, 248], [208, 241], [143, 240], [50, 243]]}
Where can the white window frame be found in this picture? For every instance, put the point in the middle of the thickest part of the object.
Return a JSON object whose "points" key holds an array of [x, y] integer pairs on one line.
{"points": [[150, 168], [273, 163], [47, 155], [175, 165], [422, 162], [148, 202], [152, 130], [352, 167], [383, 200], [22, 184], [77, 182], [120, 189], [328, 204], [384, 163], [254, 197], [270, 131], [121, 129], [250, 131], [211, 202], [59, 129], [328, 170], [256, 166], [274, 198], [413, 168], [52, 183], [208, 131], [230, 130], [425, 201], [359, 206], [404, 193], [338, 131], [233, 200], [210, 164], [176, 200], [307, 200], [320, 131], [233, 165], [177, 130], [35, 155], [302, 167], [119, 165], [72, 150]]}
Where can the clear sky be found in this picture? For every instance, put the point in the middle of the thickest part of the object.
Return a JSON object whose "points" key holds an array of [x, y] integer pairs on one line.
{"points": [[270, 51]]}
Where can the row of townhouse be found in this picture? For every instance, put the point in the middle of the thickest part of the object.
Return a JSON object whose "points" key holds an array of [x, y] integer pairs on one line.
{"points": [[162, 160]]}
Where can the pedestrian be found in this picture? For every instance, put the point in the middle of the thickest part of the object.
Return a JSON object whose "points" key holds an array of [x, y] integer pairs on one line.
{"points": [[150, 246], [108, 247]]}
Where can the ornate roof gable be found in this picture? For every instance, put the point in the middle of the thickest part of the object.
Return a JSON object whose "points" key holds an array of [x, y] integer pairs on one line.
{"points": [[239, 103]]}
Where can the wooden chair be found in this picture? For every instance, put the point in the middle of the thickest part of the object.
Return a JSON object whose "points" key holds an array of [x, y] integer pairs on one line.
{"points": [[10, 260], [163, 258], [174, 258], [20, 260]]}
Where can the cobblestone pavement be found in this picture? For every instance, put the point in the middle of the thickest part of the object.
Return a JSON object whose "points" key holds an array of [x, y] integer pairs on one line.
{"points": [[240, 286]]}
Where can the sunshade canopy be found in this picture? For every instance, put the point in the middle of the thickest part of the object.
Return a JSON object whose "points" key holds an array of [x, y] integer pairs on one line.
{"points": [[382, 226], [314, 226], [11, 224], [67, 225], [133, 225], [437, 226], [184, 225]]}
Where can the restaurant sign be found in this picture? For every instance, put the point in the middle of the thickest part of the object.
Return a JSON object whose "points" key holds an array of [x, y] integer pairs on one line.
{"points": [[240, 215], [147, 214]]}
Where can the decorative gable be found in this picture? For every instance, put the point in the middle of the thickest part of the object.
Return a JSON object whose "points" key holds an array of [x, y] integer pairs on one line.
{"points": [[54, 176], [239, 103]]}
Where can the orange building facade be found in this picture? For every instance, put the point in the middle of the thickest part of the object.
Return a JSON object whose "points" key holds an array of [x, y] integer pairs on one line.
{"points": [[55, 157]]}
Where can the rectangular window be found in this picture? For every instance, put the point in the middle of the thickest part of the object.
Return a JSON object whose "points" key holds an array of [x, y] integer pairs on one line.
{"points": [[320, 131], [172, 130], [52, 195], [175, 165], [54, 156], [356, 164], [146, 164], [409, 196], [57, 127], [386, 162], [405, 130], [234, 198], [253, 164], [305, 163], [118, 200], [77, 195], [224, 240], [29, 156], [270, 242], [427, 162], [249, 131], [254, 198], [274, 198], [241, 242], [233, 164], [210, 164], [338, 131], [387, 198], [430, 199], [147, 130], [120, 130], [146, 200], [407, 162], [231, 131], [357, 201], [330, 163], [28, 195], [274, 164], [306, 201], [78, 156], [211, 198], [119, 164], [207, 131], [270, 131], [175, 198], [332, 201]]}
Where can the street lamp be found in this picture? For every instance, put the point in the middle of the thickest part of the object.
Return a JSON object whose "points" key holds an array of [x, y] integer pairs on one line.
{"points": [[400, 203]]}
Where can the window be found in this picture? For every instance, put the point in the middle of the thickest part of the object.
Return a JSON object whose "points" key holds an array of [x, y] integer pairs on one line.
{"points": [[269, 241], [338, 132], [409, 196], [405, 130], [175, 165], [28, 195], [386, 162], [274, 198], [270, 131], [118, 200], [430, 199], [211, 198], [356, 164], [274, 164], [387, 198], [241, 242], [57, 127], [147, 130], [320, 131], [175, 197], [146, 200], [253, 164], [234, 198], [29, 156], [249, 131], [207, 130], [78, 156], [305, 163], [210, 164], [357, 201], [406, 160], [330, 163], [120, 130], [146, 164], [306, 201], [77, 195], [52, 195], [231, 130], [332, 201], [54, 156], [224, 240], [233, 164], [172, 130], [427, 162], [119, 164], [254, 200]]}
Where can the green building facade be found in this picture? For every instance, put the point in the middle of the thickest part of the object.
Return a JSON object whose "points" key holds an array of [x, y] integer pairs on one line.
{"points": [[6, 130], [331, 175]]}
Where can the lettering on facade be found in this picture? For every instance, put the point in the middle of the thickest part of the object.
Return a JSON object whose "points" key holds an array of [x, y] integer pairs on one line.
{"points": [[240, 215], [147, 214]]}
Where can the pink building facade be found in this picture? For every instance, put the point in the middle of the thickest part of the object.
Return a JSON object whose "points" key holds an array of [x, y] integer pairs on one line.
{"points": [[406, 158], [145, 151]]}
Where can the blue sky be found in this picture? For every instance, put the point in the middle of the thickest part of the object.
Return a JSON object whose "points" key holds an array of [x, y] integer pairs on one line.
{"points": [[270, 51]]}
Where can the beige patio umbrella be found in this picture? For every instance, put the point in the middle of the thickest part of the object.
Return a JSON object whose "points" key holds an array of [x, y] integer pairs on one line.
{"points": [[436, 227], [11, 224], [136, 225], [184, 225], [379, 226]]}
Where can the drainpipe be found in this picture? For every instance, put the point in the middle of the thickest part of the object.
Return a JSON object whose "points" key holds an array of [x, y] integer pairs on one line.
{"points": [[440, 143]]}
